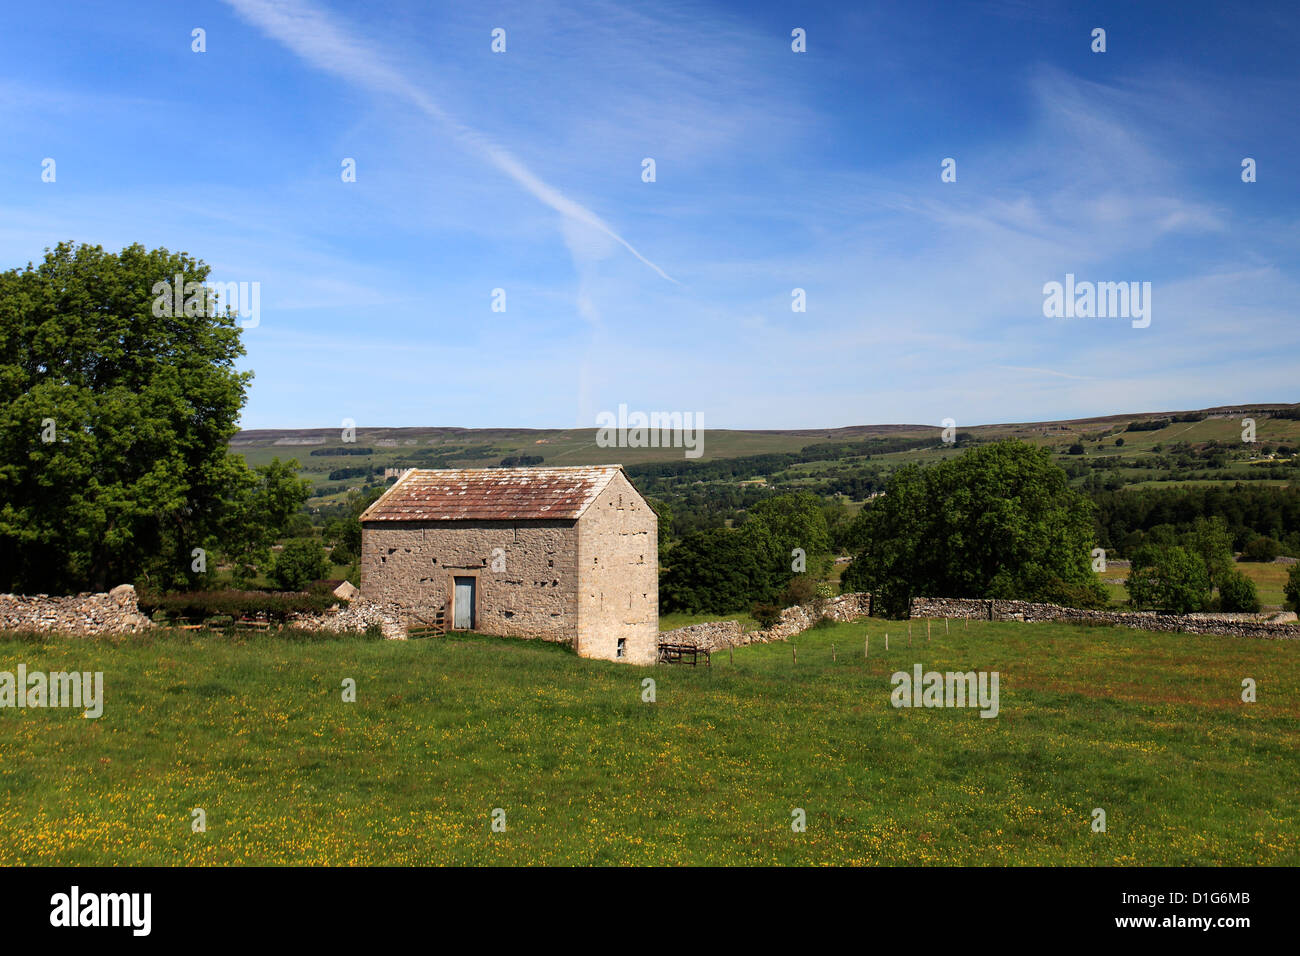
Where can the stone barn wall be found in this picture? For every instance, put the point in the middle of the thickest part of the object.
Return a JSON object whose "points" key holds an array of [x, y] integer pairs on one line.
{"points": [[414, 564], [618, 576]]}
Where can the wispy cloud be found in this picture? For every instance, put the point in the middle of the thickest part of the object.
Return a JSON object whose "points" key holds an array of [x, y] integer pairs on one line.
{"points": [[775, 170], [328, 45], [1044, 371]]}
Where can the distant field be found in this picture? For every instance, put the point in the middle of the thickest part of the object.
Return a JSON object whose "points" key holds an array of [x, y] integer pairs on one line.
{"points": [[1150, 728], [1269, 580], [569, 447], [402, 447], [1202, 482], [487, 447]]}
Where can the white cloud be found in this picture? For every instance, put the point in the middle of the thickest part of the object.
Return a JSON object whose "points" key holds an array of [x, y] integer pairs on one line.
{"points": [[329, 46]]}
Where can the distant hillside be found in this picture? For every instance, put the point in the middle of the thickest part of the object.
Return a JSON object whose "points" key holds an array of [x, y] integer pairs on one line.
{"points": [[1130, 449]]}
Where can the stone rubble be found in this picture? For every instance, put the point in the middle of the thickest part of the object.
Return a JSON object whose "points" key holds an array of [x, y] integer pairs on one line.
{"points": [[118, 612], [113, 613], [359, 615], [719, 635]]}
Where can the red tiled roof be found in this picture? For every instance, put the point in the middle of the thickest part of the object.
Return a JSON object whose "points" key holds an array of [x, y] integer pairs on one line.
{"points": [[491, 494]]}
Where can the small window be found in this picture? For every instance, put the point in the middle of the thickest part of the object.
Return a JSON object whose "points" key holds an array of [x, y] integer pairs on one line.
{"points": [[622, 647]]}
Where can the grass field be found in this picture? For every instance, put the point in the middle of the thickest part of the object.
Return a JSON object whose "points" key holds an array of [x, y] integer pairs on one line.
{"points": [[1150, 728], [1269, 578]]}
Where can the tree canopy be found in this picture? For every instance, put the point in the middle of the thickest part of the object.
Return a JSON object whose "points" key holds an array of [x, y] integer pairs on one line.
{"points": [[796, 520], [114, 422], [1211, 541], [721, 570], [998, 521], [724, 570], [1168, 578]]}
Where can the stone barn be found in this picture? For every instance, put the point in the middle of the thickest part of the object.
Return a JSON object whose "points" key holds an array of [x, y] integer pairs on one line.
{"points": [[560, 554]]}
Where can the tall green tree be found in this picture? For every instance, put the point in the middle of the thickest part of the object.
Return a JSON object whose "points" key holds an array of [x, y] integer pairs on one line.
{"points": [[114, 420], [300, 562], [723, 570], [1292, 587], [664, 513], [1168, 578], [999, 521], [1238, 593], [796, 520], [890, 547], [837, 521], [357, 501], [261, 505], [1212, 541]]}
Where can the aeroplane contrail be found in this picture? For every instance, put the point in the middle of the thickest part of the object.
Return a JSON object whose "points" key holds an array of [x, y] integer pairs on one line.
{"points": [[315, 37]]}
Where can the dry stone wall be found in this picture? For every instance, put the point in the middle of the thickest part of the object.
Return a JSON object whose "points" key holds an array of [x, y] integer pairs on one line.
{"points": [[113, 613], [1232, 625], [709, 636], [359, 615], [719, 635], [117, 612]]}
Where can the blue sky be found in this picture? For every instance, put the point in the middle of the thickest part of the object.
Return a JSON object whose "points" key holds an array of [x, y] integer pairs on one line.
{"points": [[775, 170]]}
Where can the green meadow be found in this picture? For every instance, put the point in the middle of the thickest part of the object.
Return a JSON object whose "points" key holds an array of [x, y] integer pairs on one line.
{"points": [[254, 730], [1270, 582]]}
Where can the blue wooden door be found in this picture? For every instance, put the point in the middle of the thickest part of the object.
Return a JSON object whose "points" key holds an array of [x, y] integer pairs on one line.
{"points": [[464, 604]]}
